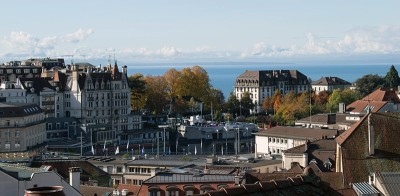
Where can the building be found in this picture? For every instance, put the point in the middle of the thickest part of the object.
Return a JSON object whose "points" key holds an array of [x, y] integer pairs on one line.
{"points": [[318, 154], [381, 100], [31, 68], [303, 184], [264, 83], [169, 184], [329, 84], [22, 127], [370, 145], [275, 140], [15, 179], [339, 121]]}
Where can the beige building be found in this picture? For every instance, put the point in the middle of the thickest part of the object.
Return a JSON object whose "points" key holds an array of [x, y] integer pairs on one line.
{"points": [[22, 126], [329, 84]]}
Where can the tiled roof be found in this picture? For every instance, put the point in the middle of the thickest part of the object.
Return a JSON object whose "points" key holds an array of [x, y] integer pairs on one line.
{"points": [[294, 76], [382, 95], [98, 190], [188, 178], [331, 81], [360, 106], [297, 132], [307, 183], [132, 189], [357, 163], [335, 179], [342, 137]]}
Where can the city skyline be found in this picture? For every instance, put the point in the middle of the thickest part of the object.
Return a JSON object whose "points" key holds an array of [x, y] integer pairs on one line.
{"points": [[202, 31]]}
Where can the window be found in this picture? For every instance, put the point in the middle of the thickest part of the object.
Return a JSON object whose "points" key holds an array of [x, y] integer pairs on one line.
{"points": [[17, 144], [17, 133], [8, 145], [119, 169]]}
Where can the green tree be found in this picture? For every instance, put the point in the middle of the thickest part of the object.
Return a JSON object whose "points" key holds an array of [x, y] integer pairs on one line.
{"points": [[368, 83], [137, 84], [392, 78], [246, 103], [334, 100], [349, 96], [232, 104]]}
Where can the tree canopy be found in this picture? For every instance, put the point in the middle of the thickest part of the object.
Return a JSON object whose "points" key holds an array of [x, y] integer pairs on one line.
{"points": [[392, 78], [369, 83]]}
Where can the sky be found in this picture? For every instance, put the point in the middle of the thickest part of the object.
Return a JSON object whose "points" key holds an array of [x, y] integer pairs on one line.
{"points": [[201, 31]]}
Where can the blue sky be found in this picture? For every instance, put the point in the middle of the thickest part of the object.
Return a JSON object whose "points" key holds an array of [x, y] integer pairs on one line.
{"points": [[201, 31]]}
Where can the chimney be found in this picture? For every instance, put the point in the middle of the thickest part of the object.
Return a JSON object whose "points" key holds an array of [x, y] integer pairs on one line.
{"points": [[342, 108], [371, 137], [75, 177]]}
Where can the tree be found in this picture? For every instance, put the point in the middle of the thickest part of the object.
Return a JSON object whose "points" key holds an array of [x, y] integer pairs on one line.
{"points": [[277, 99], [334, 100], [368, 83], [232, 104], [137, 84], [322, 97], [268, 104], [349, 96], [246, 103], [156, 99], [392, 78]]}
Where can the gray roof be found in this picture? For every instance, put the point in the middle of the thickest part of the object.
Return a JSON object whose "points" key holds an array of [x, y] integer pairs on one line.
{"points": [[173, 178], [297, 132], [22, 172], [363, 188], [390, 182], [18, 109]]}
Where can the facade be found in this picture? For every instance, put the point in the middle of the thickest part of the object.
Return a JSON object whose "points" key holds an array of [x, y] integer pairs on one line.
{"points": [[275, 140], [264, 83], [22, 126], [31, 68], [370, 145], [329, 84]]}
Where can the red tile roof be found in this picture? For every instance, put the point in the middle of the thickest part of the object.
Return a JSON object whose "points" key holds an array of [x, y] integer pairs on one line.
{"points": [[132, 189], [382, 95]]}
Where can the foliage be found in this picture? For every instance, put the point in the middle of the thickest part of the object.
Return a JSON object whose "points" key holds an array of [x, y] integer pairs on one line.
{"points": [[246, 104], [368, 83], [392, 78], [276, 100], [137, 84], [232, 105], [155, 94], [346, 96]]}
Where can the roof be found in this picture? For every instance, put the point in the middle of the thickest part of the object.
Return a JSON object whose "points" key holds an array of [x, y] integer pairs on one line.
{"points": [[360, 106], [297, 132], [356, 161], [132, 189], [307, 183], [342, 137], [382, 95], [335, 179], [36, 85], [18, 171], [172, 178], [390, 182], [324, 118], [98, 190], [272, 76], [331, 81], [364, 188], [18, 109]]}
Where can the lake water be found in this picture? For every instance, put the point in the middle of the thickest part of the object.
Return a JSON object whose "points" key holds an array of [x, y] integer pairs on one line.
{"points": [[223, 75]]}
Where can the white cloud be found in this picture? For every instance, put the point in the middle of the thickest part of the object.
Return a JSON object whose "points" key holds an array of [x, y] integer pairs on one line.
{"points": [[362, 40], [25, 45], [365, 40]]}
